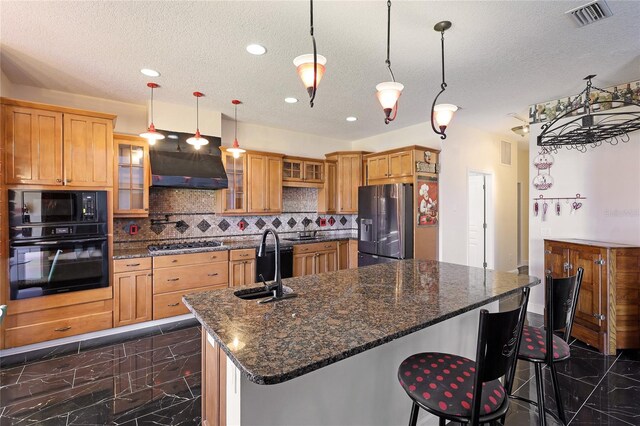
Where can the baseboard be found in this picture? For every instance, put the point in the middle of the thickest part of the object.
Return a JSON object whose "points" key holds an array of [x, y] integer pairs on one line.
{"points": [[92, 335]]}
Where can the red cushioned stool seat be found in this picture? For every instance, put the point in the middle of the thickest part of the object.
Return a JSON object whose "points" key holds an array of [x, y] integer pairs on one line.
{"points": [[443, 383], [533, 345]]}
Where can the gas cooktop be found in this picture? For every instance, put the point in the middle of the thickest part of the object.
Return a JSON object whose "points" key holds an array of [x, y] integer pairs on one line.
{"points": [[183, 246]]}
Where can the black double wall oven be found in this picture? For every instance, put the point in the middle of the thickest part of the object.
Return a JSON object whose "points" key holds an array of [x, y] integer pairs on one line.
{"points": [[57, 242]]}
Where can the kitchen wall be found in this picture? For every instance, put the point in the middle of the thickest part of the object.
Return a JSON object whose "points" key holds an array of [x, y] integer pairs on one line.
{"points": [[523, 179], [465, 150], [609, 178], [195, 208]]}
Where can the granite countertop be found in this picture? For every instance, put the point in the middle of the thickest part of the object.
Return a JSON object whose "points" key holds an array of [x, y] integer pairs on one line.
{"points": [[340, 314], [227, 244], [592, 243]]}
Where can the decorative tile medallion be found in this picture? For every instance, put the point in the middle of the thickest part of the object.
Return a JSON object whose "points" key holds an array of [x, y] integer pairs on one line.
{"points": [[343, 220], [223, 225], [182, 226], [260, 223], [204, 225], [291, 222], [276, 223], [157, 228]]}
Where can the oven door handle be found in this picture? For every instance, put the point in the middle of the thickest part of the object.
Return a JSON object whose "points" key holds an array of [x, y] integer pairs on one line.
{"points": [[56, 242]]}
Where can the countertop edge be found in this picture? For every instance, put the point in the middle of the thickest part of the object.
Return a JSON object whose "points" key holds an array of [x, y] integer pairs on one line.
{"points": [[284, 377]]}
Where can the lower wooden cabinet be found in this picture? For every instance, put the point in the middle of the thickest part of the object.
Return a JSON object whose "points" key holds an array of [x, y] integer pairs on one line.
{"points": [[132, 298], [214, 383], [607, 315], [343, 255], [315, 258], [242, 267]]}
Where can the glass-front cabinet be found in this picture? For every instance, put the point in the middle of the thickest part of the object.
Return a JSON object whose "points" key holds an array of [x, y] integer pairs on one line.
{"points": [[292, 169], [234, 198], [313, 171], [131, 183], [299, 171]]}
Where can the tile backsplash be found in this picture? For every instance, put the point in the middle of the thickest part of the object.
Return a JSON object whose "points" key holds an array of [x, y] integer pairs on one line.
{"points": [[193, 209]]}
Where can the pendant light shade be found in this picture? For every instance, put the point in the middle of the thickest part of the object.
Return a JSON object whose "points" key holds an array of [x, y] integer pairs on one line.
{"points": [[196, 140], [235, 149], [441, 114], [389, 92], [311, 67], [151, 135]]}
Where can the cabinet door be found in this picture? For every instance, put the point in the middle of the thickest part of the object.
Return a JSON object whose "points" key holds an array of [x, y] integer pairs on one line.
{"points": [[131, 183], [400, 164], [343, 255], [592, 301], [313, 171], [256, 185], [214, 383], [327, 202], [33, 146], [234, 198], [132, 298], [556, 259], [242, 272], [303, 264], [349, 179], [273, 184], [378, 167], [88, 151], [292, 170]]}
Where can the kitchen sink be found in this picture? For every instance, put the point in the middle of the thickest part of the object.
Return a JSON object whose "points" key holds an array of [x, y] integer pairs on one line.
{"points": [[258, 293]]}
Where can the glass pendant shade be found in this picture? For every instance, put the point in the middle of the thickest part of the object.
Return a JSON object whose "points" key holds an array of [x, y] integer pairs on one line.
{"points": [[388, 94], [443, 113], [304, 64], [151, 135], [236, 150], [197, 141]]}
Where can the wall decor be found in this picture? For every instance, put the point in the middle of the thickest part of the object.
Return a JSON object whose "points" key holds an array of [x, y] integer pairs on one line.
{"points": [[574, 204], [427, 201], [543, 162]]}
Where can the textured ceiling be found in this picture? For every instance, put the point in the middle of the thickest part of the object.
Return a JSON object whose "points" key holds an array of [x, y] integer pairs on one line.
{"points": [[501, 56]]}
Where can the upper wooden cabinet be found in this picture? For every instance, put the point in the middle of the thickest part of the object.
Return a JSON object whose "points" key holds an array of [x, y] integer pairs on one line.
{"points": [[132, 176], [51, 145], [302, 172], [32, 145], [378, 167], [349, 178], [391, 165], [264, 177], [328, 194], [234, 198]]}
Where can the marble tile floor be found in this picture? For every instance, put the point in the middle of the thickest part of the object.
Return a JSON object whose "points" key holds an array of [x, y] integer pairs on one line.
{"points": [[153, 378]]}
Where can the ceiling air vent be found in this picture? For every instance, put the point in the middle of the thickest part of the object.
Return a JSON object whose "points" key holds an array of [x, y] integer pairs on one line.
{"points": [[590, 13]]}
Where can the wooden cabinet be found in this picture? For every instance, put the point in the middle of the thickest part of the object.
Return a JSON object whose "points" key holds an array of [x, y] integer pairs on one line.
{"points": [[51, 145], [607, 314], [400, 164], [88, 151], [177, 275], [214, 383], [315, 258], [132, 177], [378, 167], [327, 195], [132, 298], [32, 146], [242, 267], [234, 198], [264, 184], [302, 172], [343, 255], [390, 165], [349, 178]]}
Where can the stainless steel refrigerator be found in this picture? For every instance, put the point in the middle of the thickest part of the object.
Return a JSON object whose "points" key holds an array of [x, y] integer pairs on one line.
{"points": [[385, 223]]}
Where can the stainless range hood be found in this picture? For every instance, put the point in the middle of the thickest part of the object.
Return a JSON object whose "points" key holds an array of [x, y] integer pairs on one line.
{"points": [[176, 164]]}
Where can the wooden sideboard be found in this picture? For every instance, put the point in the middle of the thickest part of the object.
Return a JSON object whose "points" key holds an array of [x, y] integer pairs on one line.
{"points": [[608, 313]]}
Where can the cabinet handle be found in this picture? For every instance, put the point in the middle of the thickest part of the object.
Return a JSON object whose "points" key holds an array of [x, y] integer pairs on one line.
{"points": [[244, 255], [599, 316], [213, 275], [63, 328], [58, 180], [174, 261], [173, 279], [173, 304], [547, 252], [327, 246], [133, 264], [68, 180]]}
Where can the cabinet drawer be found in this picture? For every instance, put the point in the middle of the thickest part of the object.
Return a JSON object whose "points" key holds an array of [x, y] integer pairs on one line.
{"points": [[26, 335], [129, 265], [314, 247], [170, 304], [244, 254], [190, 259], [189, 277]]}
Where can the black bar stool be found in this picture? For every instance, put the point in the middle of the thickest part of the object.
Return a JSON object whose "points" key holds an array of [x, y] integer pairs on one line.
{"points": [[561, 299], [458, 389]]}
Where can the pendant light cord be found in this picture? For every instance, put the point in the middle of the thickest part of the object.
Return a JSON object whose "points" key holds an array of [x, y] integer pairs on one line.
{"points": [[152, 104], [315, 57], [388, 61], [235, 118], [198, 113], [443, 85]]}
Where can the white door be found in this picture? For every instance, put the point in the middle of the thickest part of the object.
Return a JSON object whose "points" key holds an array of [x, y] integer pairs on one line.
{"points": [[480, 214]]}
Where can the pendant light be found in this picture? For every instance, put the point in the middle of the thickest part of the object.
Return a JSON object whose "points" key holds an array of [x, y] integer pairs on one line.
{"points": [[389, 91], [311, 67], [151, 135], [196, 140], [235, 149], [442, 113]]}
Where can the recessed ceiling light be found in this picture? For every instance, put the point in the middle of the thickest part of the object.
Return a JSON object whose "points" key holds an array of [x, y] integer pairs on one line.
{"points": [[352, 118], [290, 100], [173, 136], [256, 49], [149, 72]]}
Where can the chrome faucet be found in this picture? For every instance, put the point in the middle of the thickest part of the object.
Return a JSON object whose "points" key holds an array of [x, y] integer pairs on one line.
{"points": [[276, 286]]}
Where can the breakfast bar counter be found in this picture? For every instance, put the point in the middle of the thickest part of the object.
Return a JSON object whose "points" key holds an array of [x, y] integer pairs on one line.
{"points": [[332, 353]]}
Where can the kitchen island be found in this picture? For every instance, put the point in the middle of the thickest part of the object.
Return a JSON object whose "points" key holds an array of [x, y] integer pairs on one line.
{"points": [[330, 355]]}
